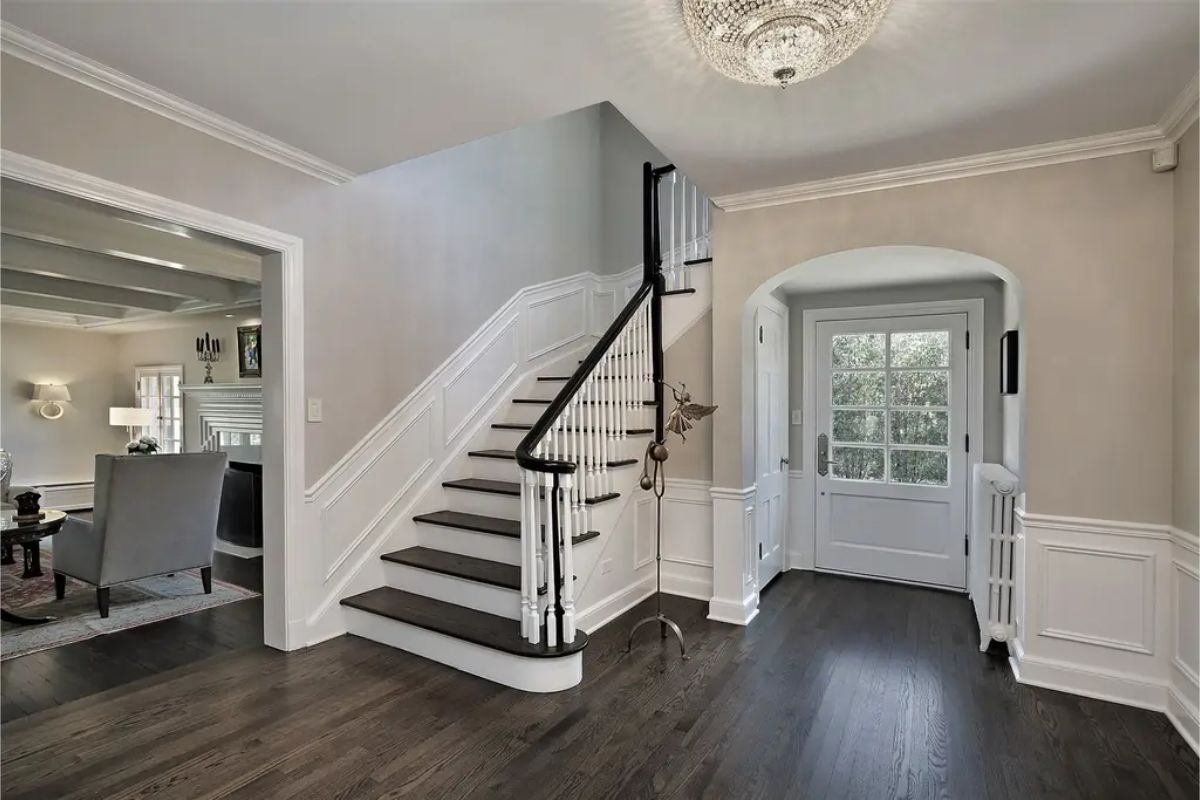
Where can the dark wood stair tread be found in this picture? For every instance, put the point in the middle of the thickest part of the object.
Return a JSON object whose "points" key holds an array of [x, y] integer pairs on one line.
{"points": [[537, 401], [511, 455], [694, 261], [679, 291], [498, 526], [467, 624], [481, 570], [525, 426]]}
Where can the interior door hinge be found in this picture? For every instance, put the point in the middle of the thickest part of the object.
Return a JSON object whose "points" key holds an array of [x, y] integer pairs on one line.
{"points": [[968, 340], [966, 545], [968, 438], [760, 334]]}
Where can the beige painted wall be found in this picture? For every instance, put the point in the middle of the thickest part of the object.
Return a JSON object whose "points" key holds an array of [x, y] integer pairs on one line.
{"points": [[401, 265], [689, 360], [1185, 507], [61, 450], [1091, 245]]}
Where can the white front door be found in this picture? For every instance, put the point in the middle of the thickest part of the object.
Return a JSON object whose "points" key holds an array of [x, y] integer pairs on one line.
{"points": [[771, 442], [891, 424], [160, 390]]}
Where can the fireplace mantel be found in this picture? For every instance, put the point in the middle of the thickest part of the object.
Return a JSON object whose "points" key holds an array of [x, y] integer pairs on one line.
{"points": [[211, 409], [223, 391]]}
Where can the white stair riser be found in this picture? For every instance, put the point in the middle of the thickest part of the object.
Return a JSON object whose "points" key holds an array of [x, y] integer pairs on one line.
{"points": [[461, 592], [486, 503], [526, 674], [470, 543], [495, 469]]}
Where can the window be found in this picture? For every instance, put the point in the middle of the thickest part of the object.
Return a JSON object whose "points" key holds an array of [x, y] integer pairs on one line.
{"points": [[891, 407], [161, 390]]}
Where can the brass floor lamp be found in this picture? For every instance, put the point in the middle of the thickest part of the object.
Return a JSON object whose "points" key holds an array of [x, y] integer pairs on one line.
{"points": [[678, 422]]}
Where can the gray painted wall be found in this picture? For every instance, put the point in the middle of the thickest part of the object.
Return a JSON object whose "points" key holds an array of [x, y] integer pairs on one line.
{"points": [[61, 450], [401, 265], [992, 293], [1185, 455], [623, 151]]}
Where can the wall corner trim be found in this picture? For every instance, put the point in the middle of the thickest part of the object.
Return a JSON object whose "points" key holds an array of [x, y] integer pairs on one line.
{"points": [[1183, 111], [43, 53], [725, 493]]}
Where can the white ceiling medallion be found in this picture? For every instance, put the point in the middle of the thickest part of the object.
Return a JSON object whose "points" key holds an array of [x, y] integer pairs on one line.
{"points": [[777, 42]]}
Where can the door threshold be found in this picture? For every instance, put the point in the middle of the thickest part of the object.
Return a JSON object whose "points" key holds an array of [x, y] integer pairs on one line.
{"points": [[863, 576]]}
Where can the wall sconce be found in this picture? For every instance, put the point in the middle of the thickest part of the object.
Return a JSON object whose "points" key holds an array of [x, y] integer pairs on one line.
{"points": [[51, 394]]}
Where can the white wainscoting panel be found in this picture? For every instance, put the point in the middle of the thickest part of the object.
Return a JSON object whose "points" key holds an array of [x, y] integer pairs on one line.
{"points": [[66, 496], [1109, 609], [735, 567], [557, 320], [475, 385]]}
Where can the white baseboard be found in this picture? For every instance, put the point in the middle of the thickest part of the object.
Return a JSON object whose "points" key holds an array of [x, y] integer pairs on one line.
{"points": [[1115, 687], [1184, 717], [604, 611], [77, 496], [733, 612]]}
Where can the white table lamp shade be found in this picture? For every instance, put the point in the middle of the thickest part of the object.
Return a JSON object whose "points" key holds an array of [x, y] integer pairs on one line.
{"points": [[129, 417], [51, 393]]}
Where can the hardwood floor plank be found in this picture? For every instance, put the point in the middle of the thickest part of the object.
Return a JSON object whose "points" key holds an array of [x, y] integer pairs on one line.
{"points": [[840, 689]]}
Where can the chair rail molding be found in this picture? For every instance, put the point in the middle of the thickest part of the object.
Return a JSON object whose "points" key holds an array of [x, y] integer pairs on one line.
{"points": [[43, 53], [1137, 641]]}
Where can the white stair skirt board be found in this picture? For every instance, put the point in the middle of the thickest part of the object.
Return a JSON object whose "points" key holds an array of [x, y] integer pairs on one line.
{"points": [[467, 593], [519, 672], [489, 546], [1184, 717]]}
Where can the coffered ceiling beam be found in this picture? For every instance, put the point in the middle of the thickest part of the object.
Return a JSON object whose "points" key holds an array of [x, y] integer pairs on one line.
{"points": [[78, 307], [26, 255], [45, 286]]}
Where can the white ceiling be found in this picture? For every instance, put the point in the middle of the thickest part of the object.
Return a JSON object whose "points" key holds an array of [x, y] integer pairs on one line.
{"points": [[364, 85], [884, 267], [72, 263]]}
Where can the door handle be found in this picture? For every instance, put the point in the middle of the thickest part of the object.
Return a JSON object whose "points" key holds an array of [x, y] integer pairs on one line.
{"points": [[822, 455], [783, 462]]}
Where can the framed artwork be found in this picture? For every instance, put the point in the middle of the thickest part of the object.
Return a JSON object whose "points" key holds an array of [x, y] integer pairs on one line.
{"points": [[1008, 362], [249, 351]]}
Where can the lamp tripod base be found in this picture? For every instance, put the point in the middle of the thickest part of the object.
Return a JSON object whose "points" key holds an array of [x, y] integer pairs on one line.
{"points": [[663, 624]]}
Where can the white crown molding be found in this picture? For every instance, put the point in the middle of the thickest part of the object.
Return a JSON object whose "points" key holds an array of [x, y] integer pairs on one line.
{"points": [[34, 49], [1182, 112], [1041, 155]]}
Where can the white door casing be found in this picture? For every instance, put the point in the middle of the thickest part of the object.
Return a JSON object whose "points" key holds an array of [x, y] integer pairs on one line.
{"points": [[771, 437], [891, 402]]}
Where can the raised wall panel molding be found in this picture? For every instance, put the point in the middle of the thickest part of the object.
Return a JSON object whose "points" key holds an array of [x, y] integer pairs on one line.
{"points": [[1188, 541], [1183, 111], [1041, 155], [1054, 582], [1106, 527], [34, 49]]}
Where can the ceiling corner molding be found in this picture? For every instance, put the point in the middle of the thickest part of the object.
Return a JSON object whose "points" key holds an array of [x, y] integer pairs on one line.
{"points": [[1106, 144], [1182, 112], [34, 49]]}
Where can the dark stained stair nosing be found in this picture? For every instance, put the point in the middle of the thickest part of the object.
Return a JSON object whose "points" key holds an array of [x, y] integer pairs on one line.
{"points": [[477, 627], [480, 570], [538, 401], [485, 486], [694, 261], [678, 291], [497, 526], [525, 426], [511, 455]]}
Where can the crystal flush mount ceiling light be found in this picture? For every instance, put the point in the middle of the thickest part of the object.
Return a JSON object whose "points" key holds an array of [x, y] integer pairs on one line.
{"points": [[777, 42]]}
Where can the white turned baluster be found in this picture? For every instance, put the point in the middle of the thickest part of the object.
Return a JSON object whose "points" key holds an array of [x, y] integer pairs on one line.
{"points": [[577, 483], [648, 360], [602, 389], [610, 418], [548, 557], [530, 534], [568, 577], [589, 455], [623, 399]]}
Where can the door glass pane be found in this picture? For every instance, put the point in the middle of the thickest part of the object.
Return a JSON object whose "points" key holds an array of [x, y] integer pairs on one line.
{"points": [[857, 463], [921, 349], [858, 426], [858, 350], [926, 388], [929, 467], [858, 388], [920, 427]]}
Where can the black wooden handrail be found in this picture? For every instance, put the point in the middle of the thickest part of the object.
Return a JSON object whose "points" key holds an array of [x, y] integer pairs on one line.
{"points": [[652, 284]]}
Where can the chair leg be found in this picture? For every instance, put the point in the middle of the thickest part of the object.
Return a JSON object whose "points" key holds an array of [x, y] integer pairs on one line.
{"points": [[206, 578], [102, 601], [60, 586]]}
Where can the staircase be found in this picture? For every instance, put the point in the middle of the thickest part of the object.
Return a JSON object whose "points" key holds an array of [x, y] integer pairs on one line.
{"points": [[490, 587]]}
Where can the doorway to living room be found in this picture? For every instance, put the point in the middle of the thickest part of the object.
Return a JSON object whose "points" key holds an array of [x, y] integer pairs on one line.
{"points": [[210, 369]]}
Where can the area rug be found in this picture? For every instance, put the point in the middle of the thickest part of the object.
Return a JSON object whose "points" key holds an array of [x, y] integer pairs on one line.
{"points": [[76, 616]]}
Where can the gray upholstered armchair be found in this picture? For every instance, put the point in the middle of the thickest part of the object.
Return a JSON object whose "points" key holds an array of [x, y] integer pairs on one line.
{"points": [[154, 515]]}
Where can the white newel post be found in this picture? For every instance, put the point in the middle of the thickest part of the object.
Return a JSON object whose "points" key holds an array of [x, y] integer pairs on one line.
{"points": [[568, 568], [548, 560], [735, 561]]}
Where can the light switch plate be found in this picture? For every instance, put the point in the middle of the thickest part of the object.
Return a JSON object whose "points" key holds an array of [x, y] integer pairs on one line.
{"points": [[797, 417], [314, 409]]}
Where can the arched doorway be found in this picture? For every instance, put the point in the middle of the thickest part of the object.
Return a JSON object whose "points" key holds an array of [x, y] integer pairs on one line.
{"points": [[870, 385]]}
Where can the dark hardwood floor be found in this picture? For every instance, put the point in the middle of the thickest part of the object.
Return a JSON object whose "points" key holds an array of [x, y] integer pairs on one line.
{"points": [[841, 689], [49, 678]]}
